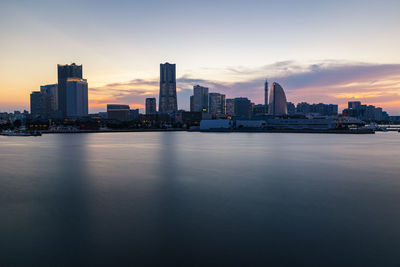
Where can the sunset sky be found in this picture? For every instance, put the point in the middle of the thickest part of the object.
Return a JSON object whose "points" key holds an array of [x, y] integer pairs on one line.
{"points": [[319, 51]]}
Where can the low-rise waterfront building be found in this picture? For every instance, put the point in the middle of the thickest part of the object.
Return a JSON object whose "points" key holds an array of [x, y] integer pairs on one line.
{"points": [[216, 124], [302, 123], [118, 112]]}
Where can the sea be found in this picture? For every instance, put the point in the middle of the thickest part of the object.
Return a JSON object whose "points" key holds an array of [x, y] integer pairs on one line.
{"points": [[200, 199]]}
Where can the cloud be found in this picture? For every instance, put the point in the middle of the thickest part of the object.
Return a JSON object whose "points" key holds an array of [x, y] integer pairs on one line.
{"points": [[328, 81], [131, 92]]}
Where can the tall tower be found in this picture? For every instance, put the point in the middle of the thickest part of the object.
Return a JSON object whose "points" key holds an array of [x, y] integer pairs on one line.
{"points": [[266, 95], [200, 99], [168, 101], [65, 72]]}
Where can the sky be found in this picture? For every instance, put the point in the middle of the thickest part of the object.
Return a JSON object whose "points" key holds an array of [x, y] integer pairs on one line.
{"points": [[319, 51]]}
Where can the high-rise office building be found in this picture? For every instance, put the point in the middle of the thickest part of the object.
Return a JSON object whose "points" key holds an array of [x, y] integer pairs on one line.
{"points": [[42, 105], [304, 108], [76, 97], [65, 72], [36, 104], [191, 103], [151, 106], [230, 107], [242, 107], [266, 93], [321, 109], [216, 104], [200, 99], [354, 105], [363, 112], [277, 101], [51, 91], [168, 100]]}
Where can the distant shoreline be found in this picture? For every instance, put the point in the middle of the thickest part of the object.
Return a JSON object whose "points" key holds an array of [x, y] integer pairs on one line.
{"points": [[363, 131]]}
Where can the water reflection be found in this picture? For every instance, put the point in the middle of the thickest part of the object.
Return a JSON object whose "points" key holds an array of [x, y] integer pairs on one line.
{"points": [[184, 198]]}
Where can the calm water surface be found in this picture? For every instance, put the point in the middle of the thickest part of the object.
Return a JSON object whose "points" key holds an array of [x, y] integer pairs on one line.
{"points": [[189, 199]]}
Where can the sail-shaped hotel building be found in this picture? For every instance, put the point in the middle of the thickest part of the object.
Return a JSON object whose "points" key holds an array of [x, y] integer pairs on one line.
{"points": [[277, 105]]}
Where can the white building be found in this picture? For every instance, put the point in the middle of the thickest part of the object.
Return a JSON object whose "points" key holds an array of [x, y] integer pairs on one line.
{"points": [[302, 124], [215, 124], [250, 124]]}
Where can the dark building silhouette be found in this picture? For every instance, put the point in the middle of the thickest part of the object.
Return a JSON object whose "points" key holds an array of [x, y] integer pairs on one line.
{"points": [[52, 91], [65, 72], [259, 110], [134, 114], [77, 97], [266, 95], [291, 108], [230, 107], [151, 106], [216, 104], [242, 107], [42, 105], [365, 112], [192, 118], [36, 104], [168, 100], [155, 120], [321, 109], [118, 112], [199, 100], [354, 104]]}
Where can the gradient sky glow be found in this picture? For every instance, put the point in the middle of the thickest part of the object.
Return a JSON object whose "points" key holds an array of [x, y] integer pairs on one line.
{"points": [[319, 51]]}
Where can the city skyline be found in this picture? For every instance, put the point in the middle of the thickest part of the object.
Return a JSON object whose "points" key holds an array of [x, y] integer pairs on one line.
{"points": [[315, 57], [185, 95]]}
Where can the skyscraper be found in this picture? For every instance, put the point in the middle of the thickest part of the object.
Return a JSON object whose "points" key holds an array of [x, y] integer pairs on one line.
{"points": [[230, 107], [354, 105], [266, 94], [200, 99], [51, 91], [168, 100], [65, 72], [151, 106], [36, 104], [42, 105], [77, 97], [277, 101], [216, 104], [242, 107]]}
